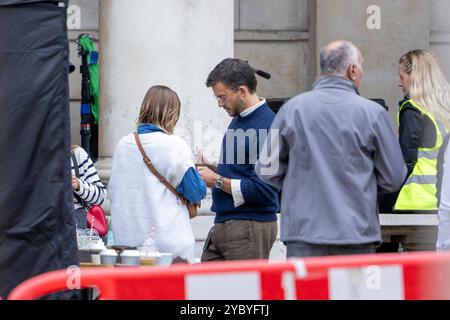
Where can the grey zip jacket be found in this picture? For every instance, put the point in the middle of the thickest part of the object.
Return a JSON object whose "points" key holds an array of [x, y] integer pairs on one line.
{"points": [[330, 151]]}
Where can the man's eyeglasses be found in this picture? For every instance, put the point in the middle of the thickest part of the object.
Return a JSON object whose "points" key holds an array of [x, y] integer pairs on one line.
{"points": [[222, 98]]}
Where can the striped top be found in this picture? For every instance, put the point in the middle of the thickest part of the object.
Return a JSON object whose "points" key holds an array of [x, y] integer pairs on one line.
{"points": [[92, 189]]}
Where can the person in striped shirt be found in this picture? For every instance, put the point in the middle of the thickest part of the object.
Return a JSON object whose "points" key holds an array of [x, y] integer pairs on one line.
{"points": [[87, 187]]}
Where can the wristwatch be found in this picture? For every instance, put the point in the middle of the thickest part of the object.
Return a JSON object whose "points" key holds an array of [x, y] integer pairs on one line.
{"points": [[219, 183]]}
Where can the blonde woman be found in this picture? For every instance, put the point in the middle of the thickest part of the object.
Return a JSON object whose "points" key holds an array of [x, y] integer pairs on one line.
{"points": [[423, 125], [142, 206]]}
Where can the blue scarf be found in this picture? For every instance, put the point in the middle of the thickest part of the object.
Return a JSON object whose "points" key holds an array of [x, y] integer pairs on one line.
{"points": [[192, 186], [149, 128]]}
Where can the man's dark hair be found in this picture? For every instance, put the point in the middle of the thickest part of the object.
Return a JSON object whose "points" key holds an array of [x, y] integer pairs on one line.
{"points": [[233, 73]]}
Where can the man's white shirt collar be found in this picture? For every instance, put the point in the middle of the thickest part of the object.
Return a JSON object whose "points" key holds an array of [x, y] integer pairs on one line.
{"points": [[248, 111]]}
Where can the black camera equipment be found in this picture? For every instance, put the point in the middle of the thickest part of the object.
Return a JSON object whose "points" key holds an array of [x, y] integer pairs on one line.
{"points": [[262, 73], [382, 103], [86, 99]]}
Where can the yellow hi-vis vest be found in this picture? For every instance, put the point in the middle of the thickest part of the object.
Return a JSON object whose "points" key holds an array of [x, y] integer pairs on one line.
{"points": [[419, 191]]}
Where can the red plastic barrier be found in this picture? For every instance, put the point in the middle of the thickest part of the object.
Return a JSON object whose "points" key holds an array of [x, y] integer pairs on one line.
{"points": [[408, 276], [390, 276], [248, 279]]}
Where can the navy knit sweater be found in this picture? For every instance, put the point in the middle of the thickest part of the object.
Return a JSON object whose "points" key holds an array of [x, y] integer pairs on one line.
{"points": [[240, 148]]}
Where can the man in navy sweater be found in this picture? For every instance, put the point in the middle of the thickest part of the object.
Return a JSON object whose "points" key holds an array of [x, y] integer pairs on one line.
{"points": [[245, 226]]}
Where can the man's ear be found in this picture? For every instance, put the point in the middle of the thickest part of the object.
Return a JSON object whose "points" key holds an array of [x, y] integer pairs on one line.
{"points": [[242, 91], [351, 72]]}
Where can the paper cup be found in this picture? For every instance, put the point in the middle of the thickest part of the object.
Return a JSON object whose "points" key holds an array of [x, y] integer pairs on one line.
{"points": [[108, 257], [130, 258], [164, 259], [95, 259], [149, 259]]}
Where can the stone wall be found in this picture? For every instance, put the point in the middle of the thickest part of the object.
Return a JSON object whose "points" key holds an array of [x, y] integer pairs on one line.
{"points": [[273, 36], [383, 30], [278, 36], [440, 33], [283, 37]]}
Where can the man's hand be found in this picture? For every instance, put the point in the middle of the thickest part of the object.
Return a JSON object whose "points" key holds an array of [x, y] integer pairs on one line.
{"points": [[200, 159], [209, 177], [75, 183]]}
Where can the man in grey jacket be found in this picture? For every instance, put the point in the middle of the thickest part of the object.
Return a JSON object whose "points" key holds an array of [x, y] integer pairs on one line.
{"points": [[330, 150]]}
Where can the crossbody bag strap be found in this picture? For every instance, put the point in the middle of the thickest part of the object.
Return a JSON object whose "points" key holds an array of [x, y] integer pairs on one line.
{"points": [[77, 174], [152, 168]]}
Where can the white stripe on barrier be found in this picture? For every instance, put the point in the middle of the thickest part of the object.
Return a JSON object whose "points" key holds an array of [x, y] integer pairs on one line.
{"points": [[300, 268], [289, 278], [225, 286], [366, 283], [289, 286]]}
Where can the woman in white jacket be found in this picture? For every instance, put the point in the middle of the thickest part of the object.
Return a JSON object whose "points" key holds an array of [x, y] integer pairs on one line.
{"points": [[142, 206]]}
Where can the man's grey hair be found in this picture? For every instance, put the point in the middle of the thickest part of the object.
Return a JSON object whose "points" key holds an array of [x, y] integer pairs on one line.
{"points": [[334, 62]]}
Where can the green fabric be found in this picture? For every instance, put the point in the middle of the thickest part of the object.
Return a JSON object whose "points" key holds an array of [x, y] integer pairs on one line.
{"points": [[88, 45]]}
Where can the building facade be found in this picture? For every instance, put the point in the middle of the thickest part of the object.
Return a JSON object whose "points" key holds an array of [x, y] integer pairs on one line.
{"points": [[281, 37]]}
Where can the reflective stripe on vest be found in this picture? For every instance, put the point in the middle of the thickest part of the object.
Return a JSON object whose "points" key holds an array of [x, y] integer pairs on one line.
{"points": [[419, 191], [431, 155], [421, 180]]}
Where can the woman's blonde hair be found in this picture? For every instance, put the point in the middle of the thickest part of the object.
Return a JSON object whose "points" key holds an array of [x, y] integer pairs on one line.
{"points": [[427, 84], [161, 107]]}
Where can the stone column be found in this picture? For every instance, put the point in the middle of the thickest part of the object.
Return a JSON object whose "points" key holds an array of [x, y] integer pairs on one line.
{"points": [[174, 43]]}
